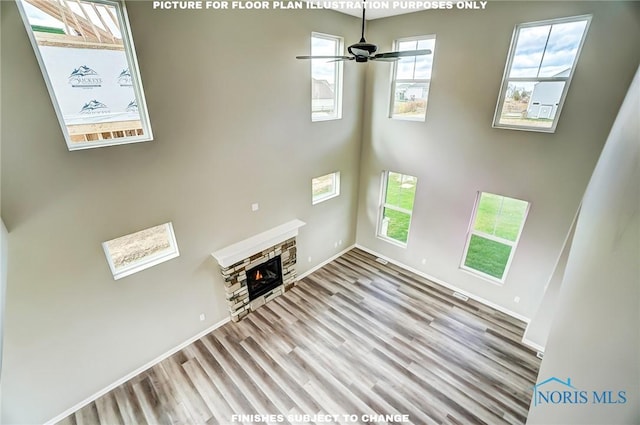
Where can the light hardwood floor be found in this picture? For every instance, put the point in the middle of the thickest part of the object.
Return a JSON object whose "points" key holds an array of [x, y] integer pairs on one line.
{"points": [[354, 338]]}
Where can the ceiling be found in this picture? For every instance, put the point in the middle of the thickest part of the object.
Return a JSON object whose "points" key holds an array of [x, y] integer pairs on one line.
{"points": [[373, 12], [378, 13]]}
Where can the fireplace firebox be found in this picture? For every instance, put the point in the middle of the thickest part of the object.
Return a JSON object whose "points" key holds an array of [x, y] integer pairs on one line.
{"points": [[264, 277]]}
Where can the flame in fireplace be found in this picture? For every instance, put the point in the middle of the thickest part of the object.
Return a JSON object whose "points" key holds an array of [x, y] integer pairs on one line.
{"points": [[258, 275]]}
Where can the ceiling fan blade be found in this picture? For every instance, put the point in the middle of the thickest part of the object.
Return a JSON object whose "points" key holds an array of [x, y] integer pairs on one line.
{"points": [[383, 59], [325, 57], [402, 54], [345, 58]]}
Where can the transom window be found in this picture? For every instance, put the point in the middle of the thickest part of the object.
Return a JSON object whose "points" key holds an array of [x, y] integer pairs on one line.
{"points": [[325, 187], [411, 79], [540, 65], [140, 250], [493, 235], [396, 207], [326, 78]]}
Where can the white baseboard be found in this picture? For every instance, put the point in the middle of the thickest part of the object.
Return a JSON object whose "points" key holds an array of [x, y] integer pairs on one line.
{"points": [[324, 263], [301, 276], [170, 352], [532, 344], [447, 285], [135, 373]]}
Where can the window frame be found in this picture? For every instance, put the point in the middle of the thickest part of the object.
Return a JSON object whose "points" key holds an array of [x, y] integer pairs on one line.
{"points": [[567, 80], [134, 69], [384, 205], [512, 244], [146, 263], [394, 80], [339, 75], [334, 193]]}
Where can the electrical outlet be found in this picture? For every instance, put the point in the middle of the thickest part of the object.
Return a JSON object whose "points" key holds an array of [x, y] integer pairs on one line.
{"points": [[255, 207], [424, 261], [516, 299], [340, 242], [309, 259], [202, 317], [335, 244]]}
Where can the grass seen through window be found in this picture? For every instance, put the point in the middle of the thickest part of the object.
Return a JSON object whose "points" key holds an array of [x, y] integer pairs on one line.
{"points": [[496, 228], [487, 256], [398, 204], [500, 216]]}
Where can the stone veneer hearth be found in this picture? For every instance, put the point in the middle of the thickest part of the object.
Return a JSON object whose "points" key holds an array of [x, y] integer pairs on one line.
{"points": [[235, 278], [236, 259]]}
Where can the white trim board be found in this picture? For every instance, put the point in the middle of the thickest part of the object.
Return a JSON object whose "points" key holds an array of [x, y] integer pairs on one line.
{"points": [[325, 262], [245, 248], [532, 344], [432, 279], [447, 285], [136, 372], [169, 353], [227, 319]]}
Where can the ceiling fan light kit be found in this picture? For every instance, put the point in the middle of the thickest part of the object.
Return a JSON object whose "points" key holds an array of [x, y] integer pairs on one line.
{"points": [[363, 51]]}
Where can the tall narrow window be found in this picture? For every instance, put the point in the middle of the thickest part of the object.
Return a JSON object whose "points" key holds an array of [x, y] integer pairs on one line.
{"points": [[326, 78], [411, 79], [540, 65], [493, 235], [325, 187], [396, 207]]}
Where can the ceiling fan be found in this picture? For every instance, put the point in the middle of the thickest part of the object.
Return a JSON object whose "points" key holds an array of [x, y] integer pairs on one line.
{"points": [[363, 52]]}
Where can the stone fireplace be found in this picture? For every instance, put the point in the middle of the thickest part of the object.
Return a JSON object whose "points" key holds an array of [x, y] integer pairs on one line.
{"points": [[264, 277], [258, 269]]}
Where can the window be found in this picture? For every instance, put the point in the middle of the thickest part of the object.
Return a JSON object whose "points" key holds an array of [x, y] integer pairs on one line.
{"points": [[411, 79], [140, 250], [326, 78], [541, 62], [88, 62], [398, 194], [325, 187], [493, 235]]}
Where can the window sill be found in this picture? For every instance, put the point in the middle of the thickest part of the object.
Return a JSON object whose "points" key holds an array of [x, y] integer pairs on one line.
{"points": [[324, 198], [392, 241], [417, 119], [325, 119], [483, 276], [526, 128], [145, 265]]}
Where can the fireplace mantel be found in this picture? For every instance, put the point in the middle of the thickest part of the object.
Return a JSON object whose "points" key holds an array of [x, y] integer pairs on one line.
{"points": [[238, 251]]}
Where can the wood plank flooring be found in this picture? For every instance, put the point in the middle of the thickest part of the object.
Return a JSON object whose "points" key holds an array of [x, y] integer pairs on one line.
{"points": [[354, 338]]}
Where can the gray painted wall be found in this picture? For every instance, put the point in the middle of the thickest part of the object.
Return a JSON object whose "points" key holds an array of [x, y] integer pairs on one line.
{"points": [[4, 262], [456, 152], [594, 339], [4, 233], [538, 329], [230, 109], [71, 330]]}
